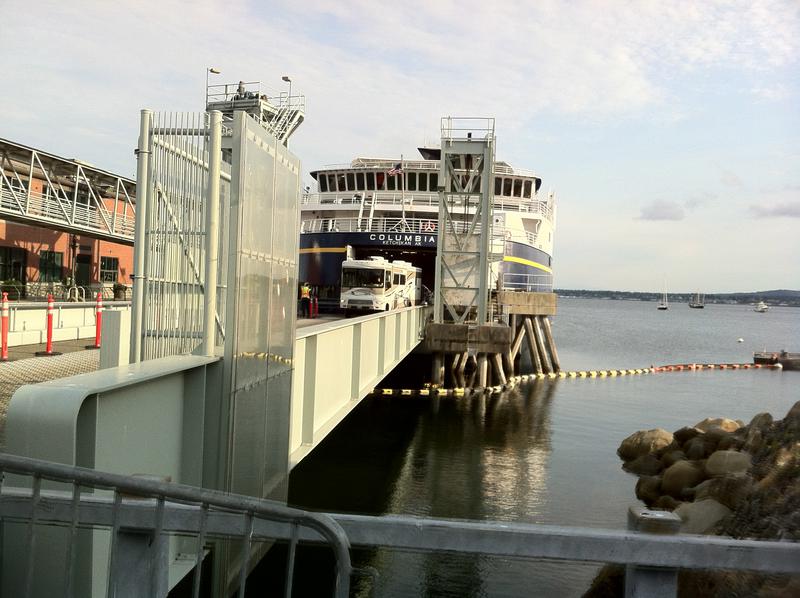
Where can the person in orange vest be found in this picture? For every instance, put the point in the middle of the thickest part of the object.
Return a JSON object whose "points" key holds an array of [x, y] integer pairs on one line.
{"points": [[305, 300]]}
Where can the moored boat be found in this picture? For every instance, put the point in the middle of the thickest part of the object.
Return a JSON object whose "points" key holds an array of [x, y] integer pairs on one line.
{"points": [[761, 307], [788, 361], [698, 301], [390, 208]]}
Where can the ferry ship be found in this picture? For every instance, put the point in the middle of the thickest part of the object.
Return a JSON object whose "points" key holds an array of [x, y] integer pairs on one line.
{"points": [[390, 208]]}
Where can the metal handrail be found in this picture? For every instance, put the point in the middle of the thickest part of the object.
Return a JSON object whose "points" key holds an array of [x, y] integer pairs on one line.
{"points": [[421, 226], [185, 509], [420, 199], [51, 208], [531, 283], [126, 488]]}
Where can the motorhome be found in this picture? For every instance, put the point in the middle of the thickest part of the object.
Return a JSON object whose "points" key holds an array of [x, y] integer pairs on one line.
{"points": [[376, 284]]}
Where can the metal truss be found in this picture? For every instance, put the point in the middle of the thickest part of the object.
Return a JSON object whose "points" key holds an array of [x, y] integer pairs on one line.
{"points": [[75, 197], [465, 205]]}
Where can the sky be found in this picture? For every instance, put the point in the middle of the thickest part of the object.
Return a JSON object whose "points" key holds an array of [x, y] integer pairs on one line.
{"points": [[669, 131]]}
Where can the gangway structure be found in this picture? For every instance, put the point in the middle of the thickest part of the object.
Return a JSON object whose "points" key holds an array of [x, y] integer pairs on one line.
{"points": [[42, 189]]}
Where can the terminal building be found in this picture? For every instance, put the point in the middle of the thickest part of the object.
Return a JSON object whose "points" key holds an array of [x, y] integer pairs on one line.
{"points": [[66, 227]]}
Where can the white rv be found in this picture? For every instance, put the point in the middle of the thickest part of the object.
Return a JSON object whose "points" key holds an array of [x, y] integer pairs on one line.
{"points": [[376, 284]]}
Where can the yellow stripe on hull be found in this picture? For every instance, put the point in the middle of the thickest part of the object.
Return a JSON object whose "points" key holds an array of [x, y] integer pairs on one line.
{"points": [[520, 260]]}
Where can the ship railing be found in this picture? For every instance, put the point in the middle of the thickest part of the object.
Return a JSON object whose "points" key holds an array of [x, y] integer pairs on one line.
{"points": [[420, 199], [406, 225], [155, 532], [530, 283], [467, 127], [372, 163], [46, 509]]}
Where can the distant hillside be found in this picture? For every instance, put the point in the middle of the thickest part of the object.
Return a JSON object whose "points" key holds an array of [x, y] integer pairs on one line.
{"points": [[783, 297]]}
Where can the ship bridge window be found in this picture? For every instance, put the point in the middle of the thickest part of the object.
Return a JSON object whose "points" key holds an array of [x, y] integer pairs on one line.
{"points": [[433, 182], [360, 181], [351, 181], [412, 181], [371, 181], [340, 182], [498, 186], [422, 181], [507, 187], [517, 187], [380, 179], [331, 183], [323, 183], [526, 190], [391, 183]]}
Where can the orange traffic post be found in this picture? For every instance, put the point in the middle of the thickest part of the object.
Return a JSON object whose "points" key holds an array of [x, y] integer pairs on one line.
{"points": [[51, 306]]}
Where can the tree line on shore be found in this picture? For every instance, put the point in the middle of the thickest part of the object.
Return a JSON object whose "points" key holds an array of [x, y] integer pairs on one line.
{"points": [[777, 297]]}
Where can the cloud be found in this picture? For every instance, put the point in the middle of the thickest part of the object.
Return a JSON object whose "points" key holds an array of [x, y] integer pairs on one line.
{"points": [[781, 210], [661, 209], [731, 179], [770, 93], [699, 200]]}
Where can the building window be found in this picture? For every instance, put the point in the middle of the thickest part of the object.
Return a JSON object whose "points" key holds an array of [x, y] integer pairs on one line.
{"points": [[50, 264], [109, 269], [13, 262]]}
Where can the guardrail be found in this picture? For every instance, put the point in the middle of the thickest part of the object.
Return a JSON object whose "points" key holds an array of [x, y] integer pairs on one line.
{"points": [[531, 283], [46, 551], [72, 320], [419, 199], [45, 544]]}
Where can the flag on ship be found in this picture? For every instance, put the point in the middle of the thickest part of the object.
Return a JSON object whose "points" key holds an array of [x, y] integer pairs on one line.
{"points": [[396, 169]]}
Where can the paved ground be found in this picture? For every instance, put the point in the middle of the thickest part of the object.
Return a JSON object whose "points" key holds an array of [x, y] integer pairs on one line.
{"points": [[14, 374]]}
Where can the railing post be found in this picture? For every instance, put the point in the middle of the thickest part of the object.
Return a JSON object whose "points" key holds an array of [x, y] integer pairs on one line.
{"points": [[139, 565], [651, 582], [212, 233], [4, 334], [139, 249]]}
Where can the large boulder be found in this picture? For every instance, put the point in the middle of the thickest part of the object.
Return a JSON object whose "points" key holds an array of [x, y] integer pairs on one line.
{"points": [[730, 490], [698, 448], [685, 434], [680, 476], [701, 516], [644, 465], [722, 463], [643, 442], [710, 423], [648, 489], [673, 457]]}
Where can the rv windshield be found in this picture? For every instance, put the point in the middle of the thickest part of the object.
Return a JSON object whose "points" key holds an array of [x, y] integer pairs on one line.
{"points": [[362, 277]]}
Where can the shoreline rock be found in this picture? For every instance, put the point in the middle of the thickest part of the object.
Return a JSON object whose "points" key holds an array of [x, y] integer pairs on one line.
{"points": [[721, 477]]}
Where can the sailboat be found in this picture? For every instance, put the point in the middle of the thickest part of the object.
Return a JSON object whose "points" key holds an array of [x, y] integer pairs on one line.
{"points": [[664, 304], [698, 301]]}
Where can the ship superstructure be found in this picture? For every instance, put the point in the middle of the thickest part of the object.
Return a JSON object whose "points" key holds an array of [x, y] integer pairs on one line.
{"points": [[376, 206]]}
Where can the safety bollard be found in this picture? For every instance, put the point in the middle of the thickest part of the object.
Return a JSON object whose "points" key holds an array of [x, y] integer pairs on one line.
{"points": [[51, 306], [4, 325], [98, 314]]}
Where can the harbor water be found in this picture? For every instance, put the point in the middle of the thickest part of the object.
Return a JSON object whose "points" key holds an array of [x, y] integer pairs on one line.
{"points": [[544, 452]]}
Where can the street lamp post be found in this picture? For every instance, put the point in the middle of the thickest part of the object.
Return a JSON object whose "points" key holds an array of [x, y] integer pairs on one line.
{"points": [[214, 71], [289, 81]]}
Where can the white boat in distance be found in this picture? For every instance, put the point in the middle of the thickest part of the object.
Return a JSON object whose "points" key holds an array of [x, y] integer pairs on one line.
{"points": [[664, 303], [761, 307]]}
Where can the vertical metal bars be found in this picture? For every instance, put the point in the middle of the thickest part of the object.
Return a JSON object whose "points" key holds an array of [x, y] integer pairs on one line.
{"points": [[141, 515], [181, 183]]}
